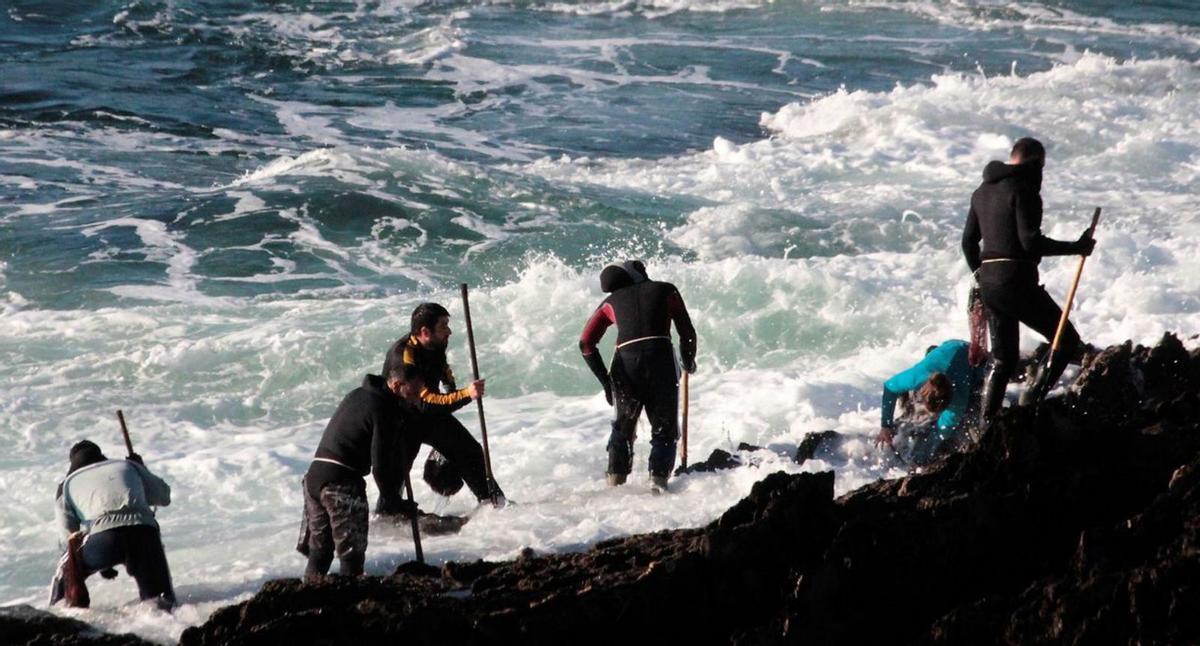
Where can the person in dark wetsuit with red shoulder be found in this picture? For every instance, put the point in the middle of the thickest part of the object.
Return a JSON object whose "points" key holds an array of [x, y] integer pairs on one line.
{"points": [[643, 372]]}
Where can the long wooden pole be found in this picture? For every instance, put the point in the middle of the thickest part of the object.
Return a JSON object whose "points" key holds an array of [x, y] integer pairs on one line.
{"points": [[683, 453], [1062, 321], [125, 432], [487, 455]]}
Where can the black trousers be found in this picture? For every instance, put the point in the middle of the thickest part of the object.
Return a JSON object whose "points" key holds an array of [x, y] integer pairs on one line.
{"points": [[644, 377], [1013, 296], [137, 547], [443, 431]]}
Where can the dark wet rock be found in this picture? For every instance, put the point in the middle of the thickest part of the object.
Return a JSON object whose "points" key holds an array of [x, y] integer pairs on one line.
{"points": [[414, 568], [718, 460], [813, 443], [27, 625], [428, 524], [1077, 521], [464, 574]]}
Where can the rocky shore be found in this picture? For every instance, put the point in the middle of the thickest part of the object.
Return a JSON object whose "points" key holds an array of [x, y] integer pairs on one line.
{"points": [[1075, 522]]}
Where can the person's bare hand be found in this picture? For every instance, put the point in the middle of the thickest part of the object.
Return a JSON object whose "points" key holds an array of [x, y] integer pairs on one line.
{"points": [[476, 389], [885, 437]]}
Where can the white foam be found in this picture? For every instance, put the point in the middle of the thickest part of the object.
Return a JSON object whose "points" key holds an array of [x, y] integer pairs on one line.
{"points": [[1033, 16], [649, 8]]}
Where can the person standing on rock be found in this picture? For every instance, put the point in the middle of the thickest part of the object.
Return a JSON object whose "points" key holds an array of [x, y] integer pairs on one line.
{"points": [[1006, 217], [454, 448], [111, 503], [643, 372], [943, 381], [359, 439]]}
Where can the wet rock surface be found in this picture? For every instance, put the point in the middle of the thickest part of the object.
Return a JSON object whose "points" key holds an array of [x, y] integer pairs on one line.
{"points": [[27, 625], [719, 460], [1075, 522]]}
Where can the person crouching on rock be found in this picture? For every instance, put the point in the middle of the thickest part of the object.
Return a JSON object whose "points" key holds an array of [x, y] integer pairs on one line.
{"points": [[359, 439], [105, 510], [643, 372], [944, 382], [424, 350]]}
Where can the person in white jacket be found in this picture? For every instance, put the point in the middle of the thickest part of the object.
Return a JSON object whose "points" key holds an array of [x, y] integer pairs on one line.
{"points": [[110, 503]]}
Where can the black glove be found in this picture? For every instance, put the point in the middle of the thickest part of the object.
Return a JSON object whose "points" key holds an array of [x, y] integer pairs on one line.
{"points": [[596, 364], [689, 365], [108, 573], [1085, 244], [136, 458]]}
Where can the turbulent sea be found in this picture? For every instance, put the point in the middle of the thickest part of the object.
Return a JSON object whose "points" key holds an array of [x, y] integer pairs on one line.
{"points": [[217, 214]]}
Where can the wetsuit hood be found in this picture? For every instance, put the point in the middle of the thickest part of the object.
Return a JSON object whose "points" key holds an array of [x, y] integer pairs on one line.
{"points": [[630, 272], [997, 171]]}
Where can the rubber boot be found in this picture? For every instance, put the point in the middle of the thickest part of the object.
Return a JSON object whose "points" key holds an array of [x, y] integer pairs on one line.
{"points": [[993, 391], [658, 484], [615, 479]]}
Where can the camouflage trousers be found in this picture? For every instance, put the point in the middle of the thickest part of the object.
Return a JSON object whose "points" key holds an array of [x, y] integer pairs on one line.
{"points": [[335, 523]]}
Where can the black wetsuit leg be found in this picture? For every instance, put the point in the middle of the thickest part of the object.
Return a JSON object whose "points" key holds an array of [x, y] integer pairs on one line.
{"points": [[139, 548], [645, 376], [1012, 294], [146, 562], [1005, 336], [627, 407], [444, 432]]}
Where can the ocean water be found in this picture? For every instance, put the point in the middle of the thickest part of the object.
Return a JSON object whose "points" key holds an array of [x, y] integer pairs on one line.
{"points": [[217, 214]]}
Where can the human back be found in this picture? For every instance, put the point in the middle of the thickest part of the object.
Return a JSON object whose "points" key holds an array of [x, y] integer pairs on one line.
{"points": [[114, 493], [643, 310]]}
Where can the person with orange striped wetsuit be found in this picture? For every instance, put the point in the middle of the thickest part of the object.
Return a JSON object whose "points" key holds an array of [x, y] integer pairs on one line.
{"points": [[424, 348]]}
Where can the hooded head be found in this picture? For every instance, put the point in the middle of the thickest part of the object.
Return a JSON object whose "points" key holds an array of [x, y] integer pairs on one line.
{"points": [[84, 453], [616, 276], [1026, 161]]}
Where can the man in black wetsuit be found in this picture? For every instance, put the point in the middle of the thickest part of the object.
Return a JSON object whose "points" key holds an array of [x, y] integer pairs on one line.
{"points": [[643, 373], [424, 349], [360, 438], [1006, 214]]}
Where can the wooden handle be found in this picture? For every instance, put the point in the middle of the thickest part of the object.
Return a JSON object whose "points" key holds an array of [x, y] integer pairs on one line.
{"points": [[1062, 321], [684, 452], [125, 432]]}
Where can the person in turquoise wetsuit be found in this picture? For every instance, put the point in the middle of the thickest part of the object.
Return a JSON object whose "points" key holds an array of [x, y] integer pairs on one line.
{"points": [[945, 381]]}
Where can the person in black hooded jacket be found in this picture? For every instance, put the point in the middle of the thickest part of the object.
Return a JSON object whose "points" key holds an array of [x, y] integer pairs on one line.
{"points": [[1006, 216], [360, 439], [643, 372]]}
